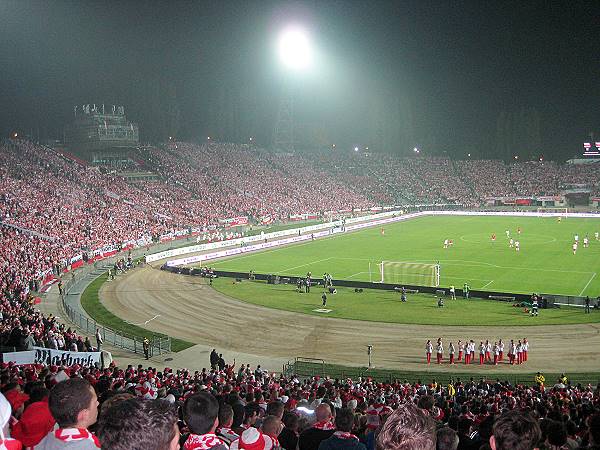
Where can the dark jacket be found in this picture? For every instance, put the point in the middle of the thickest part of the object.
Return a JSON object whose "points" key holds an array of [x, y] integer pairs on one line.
{"points": [[288, 439], [311, 438], [336, 443]]}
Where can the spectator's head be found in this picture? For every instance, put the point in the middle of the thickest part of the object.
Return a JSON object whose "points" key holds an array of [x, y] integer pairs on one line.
{"points": [[447, 439], [291, 420], [515, 431], [136, 423], [344, 420], [200, 412], [408, 428], [556, 434], [73, 403], [251, 413], [426, 402], [594, 426], [275, 408], [225, 415], [323, 412], [271, 426]]}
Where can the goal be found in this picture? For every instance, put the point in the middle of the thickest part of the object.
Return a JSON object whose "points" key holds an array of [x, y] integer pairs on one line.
{"points": [[400, 272], [556, 211]]}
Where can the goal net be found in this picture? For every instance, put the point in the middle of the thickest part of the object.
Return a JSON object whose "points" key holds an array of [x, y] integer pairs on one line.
{"points": [[399, 272], [557, 211]]}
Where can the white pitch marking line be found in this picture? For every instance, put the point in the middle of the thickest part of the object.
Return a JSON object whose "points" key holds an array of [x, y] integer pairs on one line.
{"points": [[304, 265], [588, 283], [146, 322], [359, 273], [487, 284]]}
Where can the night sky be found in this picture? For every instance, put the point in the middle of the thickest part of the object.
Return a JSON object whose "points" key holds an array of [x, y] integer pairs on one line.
{"points": [[390, 75]]}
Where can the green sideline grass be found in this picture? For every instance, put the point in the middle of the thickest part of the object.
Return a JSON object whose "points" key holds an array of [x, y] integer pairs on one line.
{"points": [[385, 306], [303, 368], [90, 301], [545, 264]]}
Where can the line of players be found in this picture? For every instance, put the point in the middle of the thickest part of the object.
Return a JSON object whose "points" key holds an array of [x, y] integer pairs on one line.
{"points": [[586, 241], [514, 243], [488, 353]]}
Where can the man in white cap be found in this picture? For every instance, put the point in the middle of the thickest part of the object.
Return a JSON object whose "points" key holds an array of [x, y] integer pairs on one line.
{"points": [[5, 412], [252, 439]]}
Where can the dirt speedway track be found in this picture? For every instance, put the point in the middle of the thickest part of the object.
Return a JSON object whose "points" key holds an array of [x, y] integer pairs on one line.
{"points": [[185, 307]]}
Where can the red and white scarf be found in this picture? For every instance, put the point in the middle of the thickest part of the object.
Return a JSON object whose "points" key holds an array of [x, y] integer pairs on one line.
{"points": [[324, 425], [202, 441], [75, 434], [344, 435]]}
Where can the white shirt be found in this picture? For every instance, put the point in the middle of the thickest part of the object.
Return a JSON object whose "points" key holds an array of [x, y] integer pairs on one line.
{"points": [[429, 347]]}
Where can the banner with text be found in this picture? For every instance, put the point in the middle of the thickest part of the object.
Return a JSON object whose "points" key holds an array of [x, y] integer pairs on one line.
{"points": [[50, 356]]}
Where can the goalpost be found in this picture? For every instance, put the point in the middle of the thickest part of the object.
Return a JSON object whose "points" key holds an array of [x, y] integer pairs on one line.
{"points": [[562, 211], [400, 272]]}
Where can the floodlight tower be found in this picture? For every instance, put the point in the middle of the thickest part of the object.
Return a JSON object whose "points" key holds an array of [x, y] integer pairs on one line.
{"points": [[295, 54]]}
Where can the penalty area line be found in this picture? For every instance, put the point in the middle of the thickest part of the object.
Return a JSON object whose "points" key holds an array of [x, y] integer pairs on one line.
{"points": [[487, 284], [588, 283]]}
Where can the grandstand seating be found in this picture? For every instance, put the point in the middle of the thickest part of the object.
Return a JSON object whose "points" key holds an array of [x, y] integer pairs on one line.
{"points": [[56, 212]]}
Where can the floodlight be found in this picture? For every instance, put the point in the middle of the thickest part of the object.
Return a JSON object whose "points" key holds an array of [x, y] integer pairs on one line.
{"points": [[295, 49], [355, 149]]}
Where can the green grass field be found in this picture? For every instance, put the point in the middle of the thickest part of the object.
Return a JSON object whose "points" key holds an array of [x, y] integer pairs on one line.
{"points": [[545, 264], [385, 306]]}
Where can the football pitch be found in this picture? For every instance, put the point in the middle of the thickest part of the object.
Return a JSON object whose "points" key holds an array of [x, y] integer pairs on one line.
{"points": [[544, 264]]}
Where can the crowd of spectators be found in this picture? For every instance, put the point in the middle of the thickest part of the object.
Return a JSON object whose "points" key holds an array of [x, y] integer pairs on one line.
{"points": [[53, 209], [257, 410]]}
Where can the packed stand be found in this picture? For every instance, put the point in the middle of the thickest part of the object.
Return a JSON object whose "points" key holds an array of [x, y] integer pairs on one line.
{"points": [[222, 407]]}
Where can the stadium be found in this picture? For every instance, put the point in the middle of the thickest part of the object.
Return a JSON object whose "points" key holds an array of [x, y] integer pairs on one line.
{"points": [[176, 275]]}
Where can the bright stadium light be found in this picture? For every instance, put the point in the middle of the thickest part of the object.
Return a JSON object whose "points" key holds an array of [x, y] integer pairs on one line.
{"points": [[295, 49]]}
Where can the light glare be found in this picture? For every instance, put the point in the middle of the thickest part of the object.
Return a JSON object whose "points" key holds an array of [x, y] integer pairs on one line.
{"points": [[294, 49]]}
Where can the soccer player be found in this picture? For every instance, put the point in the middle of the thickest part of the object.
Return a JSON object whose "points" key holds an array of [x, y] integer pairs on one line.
{"points": [[493, 237], [519, 352], [382, 231], [481, 352], [445, 243], [512, 350], [467, 352], [586, 242], [428, 351], [324, 299], [519, 230], [452, 292], [472, 343], [511, 243], [461, 349], [440, 350], [597, 236], [517, 245], [496, 353], [500, 350], [488, 350], [525, 349], [574, 248], [507, 234], [577, 238], [451, 352], [403, 295]]}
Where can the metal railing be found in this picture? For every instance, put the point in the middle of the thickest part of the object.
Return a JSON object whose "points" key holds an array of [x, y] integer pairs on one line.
{"points": [[307, 367], [158, 344]]}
